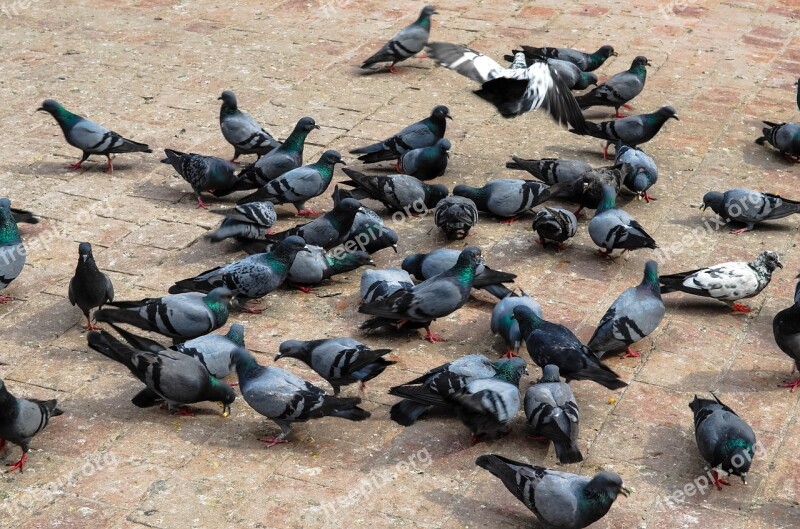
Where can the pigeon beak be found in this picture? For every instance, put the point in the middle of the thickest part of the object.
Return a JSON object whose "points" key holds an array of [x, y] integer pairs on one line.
{"points": [[342, 162], [625, 491], [448, 116], [219, 98], [371, 263], [41, 109], [613, 53], [226, 409], [744, 478], [676, 118], [703, 207], [361, 210], [305, 249], [779, 263], [278, 357], [316, 127], [394, 247], [84, 257]]}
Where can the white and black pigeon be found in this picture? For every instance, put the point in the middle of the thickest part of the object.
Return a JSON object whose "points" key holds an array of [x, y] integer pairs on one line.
{"points": [[299, 185], [633, 130], [409, 41], [587, 62], [785, 137], [21, 420], [204, 173], [553, 414], [316, 265], [455, 216], [612, 228], [504, 323], [398, 192], [90, 137], [725, 440], [286, 398], [423, 133], [633, 316], [640, 171], [170, 376], [619, 89], [180, 317], [376, 285], [247, 221], [727, 282], [89, 288], [559, 499], [12, 252], [426, 163], [556, 225], [508, 198], [749, 207], [340, 361], [241, 130], [786, 330]]}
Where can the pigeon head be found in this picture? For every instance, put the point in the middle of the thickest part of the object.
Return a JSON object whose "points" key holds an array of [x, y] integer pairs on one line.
{"points": [[228, 99], [441, 112], [349, 206], [668, 112], [84, 251], [527, 319], [470, 257], [220, 296], [307, 124], [427, 11], [291, 244], [715, 201], [444, 146], [435, 193], [606, 51], [735, 456], [586, 80], [511, 370], [236, 334], [641, 181], [356, 259], [292, 349], [550, 373], [331, 157], [413, 265], [64, 117], [223, 393], [768, 260], [640, 61], [603, 489], [51, 106]]}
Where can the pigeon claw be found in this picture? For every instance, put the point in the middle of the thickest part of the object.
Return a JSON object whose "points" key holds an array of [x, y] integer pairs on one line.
{"points": [[308, 213], [738, 307], [605, 152], [250, 310], [19, 465], [630, 353], [6, 299], [75, 166], [509, 354], [432, 337], [618, 115], [393, 70], [184, 412], [510, 221], [718, 481], [110, 166], [792, 384], [305, 289], [272, 441], [648, 197], [201, 204], [474, 439]]}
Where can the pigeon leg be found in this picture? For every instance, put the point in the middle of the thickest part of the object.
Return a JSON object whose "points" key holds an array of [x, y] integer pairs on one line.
{"points": [[509, 353], [791, 384], [110, 166], [717, 481], [630, 353], [560, 247], [540, 242], [791, 158], [392, 69], [272, 441], [604, 253], [362, 389], [617, 114], [578, 212], [308, 213], [605, 151], [739, 307], [184, 412], [648, 197], [397, 167], [742, 230], [423, 56], [90, 326], [473, 440], [19, 465], [200, 203], [77, 165], [249, 310], [511, 220], [6, 299], [431, 337]]}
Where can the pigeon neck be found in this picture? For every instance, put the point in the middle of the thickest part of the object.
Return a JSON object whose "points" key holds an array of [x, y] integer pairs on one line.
{"points": [[280, 258], [480, 196], [325, 170], [218, 308], [9, 234], [464, 270], [65, 118], [296, 141], [437, 124], [424, 21], [7, 403], [228, 109], [596, 499], [609, 201], [508, 372], [650, 281], [345, 263], [246, 365], [341, 220], [597, 59], [639, 71], [236, 336]]}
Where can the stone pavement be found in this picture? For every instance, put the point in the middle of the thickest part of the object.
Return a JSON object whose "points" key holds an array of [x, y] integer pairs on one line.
{"points": [[152, 70]]}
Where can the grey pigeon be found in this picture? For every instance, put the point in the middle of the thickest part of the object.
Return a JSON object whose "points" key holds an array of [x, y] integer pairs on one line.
{"points": [[633, 130], [588, 190], [619, 89], [253, 277], [572, 75], [12, 251], [248, 221], [276, 162], [426, 265], [21, 420], [559, 499], [725, 441], [89, 288], [639, 169], [180, 317], [398, 192], [749, 207], [316, 265], [552, 413], [424, 133], [552, 170], [786, 330], [340, 361], [368, 232], [727, 282], [23, 216], [555, 224], [429, 390], [88, 136], [204, 173], [634, 315], [455, 216], [434, 298], [170, 376], [285, 398], [785, 137], [241, 130], [409, 41], [376, 285], [504, 324], [612, 228], [508, 198], [299, 185], [426, 163], [587, 62], [551, 343]]}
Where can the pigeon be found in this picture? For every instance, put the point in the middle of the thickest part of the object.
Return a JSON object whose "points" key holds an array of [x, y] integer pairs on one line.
{"points": [[434, 298], [23, 216], [555, 224], [276, 162], [727, 282], [368, 232], [248, 221], [455, 216], [436, 384], [573, 76], [241, 130], [786, 330], [504, 323], [89, 288], [426, 163], [797, 84], [88, 136], [783, 136], [640, 170], [725, 441], [340, 361], [410, 41], [748, 207], [286, 398], [587, 62], [551, 343], [170, 376], [508, 198], [21, 420], [180, 317], [204, 173], [559, 499], [299, 185], [619, 89], [377, 285], [12, 251], [634, 315], [633, 130], [552, 170], [421, 134], [398, 192], [253, 277], [612, 228], [315, 265], [588, 190], [427, 265], [552, 413]]}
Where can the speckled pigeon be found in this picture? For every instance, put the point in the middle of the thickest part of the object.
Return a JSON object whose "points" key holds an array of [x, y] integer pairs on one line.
{"points": [[508, 198], [409, 41], [426, 163], [12, 252], [612, 228], [316, 265], [640, 171], [587, 62], [248, 221], [785, 137], [552, 413], [633, 130], [504, 324], [204, 173], [424, 133], [619, 89], [21, 420], [749, 207], [554, 224], [398, 192], [786, 330], [455, 216], [552, 170], [89, 288], [241, 130]]}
